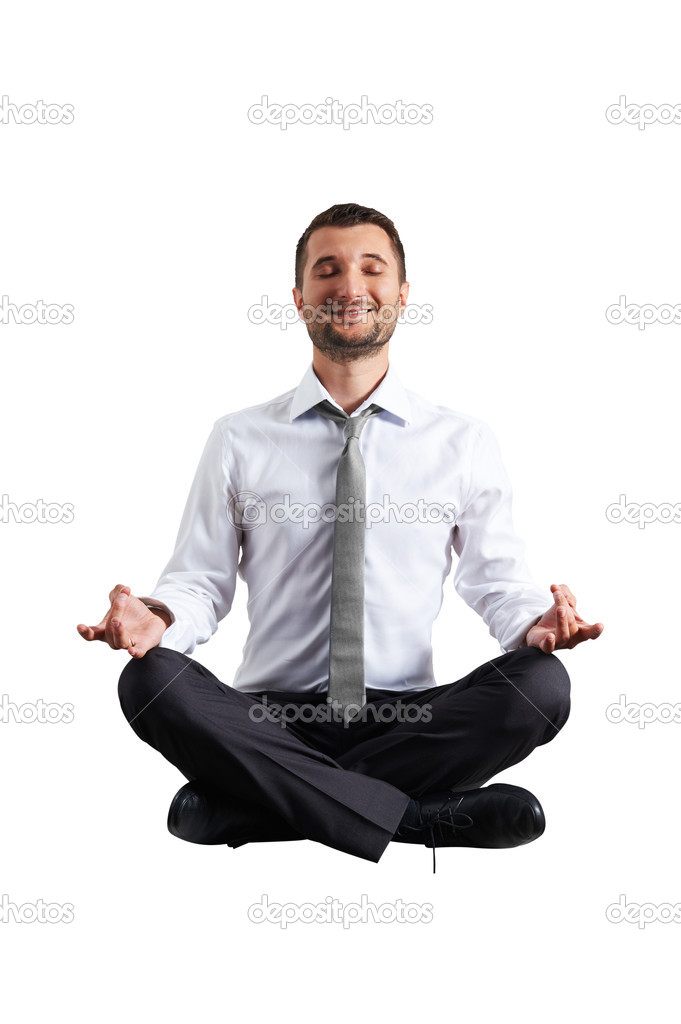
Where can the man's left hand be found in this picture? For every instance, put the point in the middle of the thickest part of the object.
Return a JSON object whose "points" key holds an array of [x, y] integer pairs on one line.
{"points": [[561, 627]]}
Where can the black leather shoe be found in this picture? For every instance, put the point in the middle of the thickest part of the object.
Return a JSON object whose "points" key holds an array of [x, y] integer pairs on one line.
{"points": [[496, 817], [199, 813]]}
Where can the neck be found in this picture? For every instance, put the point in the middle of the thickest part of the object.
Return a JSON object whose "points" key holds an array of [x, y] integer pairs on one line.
{"points": [[350, 384]]}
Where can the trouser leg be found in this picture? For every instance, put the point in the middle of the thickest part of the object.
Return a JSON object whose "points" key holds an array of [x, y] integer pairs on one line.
{"points": [[204, 728], [469, 730]]}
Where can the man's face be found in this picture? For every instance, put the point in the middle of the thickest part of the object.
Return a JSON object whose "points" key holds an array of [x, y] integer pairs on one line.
{"points": [[351, 296]]}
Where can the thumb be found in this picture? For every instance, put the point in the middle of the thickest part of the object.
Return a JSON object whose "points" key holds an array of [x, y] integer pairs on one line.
{"points": [[91, 632], [140, 649]]}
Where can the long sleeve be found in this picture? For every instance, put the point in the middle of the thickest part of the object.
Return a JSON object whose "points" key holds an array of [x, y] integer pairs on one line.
{"points": [[492, 576], [198, 583]]}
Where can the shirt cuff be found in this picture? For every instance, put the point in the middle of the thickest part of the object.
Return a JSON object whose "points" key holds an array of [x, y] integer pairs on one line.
{"points": [[152, 602], [518, 640]]}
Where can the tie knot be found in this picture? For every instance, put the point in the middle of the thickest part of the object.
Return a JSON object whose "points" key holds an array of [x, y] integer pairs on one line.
{"points": [[354, 425]]}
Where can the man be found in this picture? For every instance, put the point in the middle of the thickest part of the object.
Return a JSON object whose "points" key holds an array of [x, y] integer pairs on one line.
{"points": [[334, 728]]}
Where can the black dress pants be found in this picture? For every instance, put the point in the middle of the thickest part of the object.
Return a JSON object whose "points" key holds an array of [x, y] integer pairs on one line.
{"points": [[346, 785]]}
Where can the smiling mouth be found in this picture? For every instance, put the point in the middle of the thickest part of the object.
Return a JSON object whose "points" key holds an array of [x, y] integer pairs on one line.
{"points": [[352, 313]]}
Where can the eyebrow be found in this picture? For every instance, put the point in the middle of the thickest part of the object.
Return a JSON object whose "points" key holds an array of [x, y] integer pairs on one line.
{"points": [[364, 256]]}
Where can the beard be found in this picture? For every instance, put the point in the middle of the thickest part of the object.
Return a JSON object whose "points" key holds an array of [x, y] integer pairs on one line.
{"points": [[343, 346]]}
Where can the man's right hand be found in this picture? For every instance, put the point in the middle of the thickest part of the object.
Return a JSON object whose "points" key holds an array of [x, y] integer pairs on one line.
{"points": [[128, 625]]}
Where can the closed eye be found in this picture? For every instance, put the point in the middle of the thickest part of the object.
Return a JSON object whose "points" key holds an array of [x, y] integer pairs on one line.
{"points": [[373, 273]]}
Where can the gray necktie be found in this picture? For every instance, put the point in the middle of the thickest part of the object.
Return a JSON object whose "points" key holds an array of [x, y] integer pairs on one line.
{"points": [[346, 644]]}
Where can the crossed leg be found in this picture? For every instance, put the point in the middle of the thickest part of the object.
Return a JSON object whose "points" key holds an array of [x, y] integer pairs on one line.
{"points": [[346, 786]]}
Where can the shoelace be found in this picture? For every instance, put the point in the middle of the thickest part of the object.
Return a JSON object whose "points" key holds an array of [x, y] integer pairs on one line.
{"points": [[443, 817]]}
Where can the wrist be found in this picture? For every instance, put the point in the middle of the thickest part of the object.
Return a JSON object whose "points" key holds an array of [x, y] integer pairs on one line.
{"points": [[162, 615], [523, 642]]}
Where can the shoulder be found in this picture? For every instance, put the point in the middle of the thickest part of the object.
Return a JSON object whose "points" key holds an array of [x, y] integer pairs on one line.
{"points": [[450, 420], [254, 417]]}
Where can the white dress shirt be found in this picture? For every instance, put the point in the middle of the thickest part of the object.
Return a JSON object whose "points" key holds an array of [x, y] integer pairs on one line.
{"points": [[443, 474]]}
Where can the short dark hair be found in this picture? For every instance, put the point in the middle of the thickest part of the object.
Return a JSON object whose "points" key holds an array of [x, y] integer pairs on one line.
{"points": [[346, 215]]}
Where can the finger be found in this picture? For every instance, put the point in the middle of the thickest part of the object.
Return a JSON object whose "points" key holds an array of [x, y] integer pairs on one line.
{"points": [[97, 631], [563, 630], [548, 643], [138, 651], [541, 639], [571, 599], [120, 635], [564, 589], [118, 589], [90, 632], [113, 633], [117, 613], [572, 619], [588, 632], [563, 618]]}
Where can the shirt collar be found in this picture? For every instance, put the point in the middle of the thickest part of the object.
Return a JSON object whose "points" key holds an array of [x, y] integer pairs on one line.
{"points": [[390, 395]]}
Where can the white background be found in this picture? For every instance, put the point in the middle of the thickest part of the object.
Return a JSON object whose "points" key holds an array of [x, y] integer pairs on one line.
{"points": [[162, 214]]}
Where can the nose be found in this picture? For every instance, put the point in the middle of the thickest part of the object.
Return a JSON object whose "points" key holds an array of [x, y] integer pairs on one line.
{"points": [[348, 286]]}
